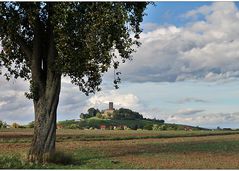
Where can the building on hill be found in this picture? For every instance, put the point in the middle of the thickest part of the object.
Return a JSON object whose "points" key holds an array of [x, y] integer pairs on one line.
{"points": [[111, 106], [102, 127], [108, 112], [187, 128]]}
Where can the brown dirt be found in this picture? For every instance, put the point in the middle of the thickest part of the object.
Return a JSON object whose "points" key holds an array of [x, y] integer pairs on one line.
{"points": [[149, 153], [194, 160]]}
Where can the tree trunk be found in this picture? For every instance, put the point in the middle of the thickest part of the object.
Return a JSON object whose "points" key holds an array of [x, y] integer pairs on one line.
{"points": [[43, 143], [46, 84]]}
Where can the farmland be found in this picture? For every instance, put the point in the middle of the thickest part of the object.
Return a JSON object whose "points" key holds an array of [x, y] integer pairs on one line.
{"points": [[128, 149]]}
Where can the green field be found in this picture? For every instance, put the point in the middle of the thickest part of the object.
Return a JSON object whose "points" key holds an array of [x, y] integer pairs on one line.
{"points": [[127, 149]]}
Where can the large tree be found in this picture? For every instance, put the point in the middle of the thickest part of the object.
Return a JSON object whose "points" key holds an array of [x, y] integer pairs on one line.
{"points": [[43, 41]]}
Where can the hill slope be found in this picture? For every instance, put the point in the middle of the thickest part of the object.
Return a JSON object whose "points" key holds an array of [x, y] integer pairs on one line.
{"points": [[148, 124]]}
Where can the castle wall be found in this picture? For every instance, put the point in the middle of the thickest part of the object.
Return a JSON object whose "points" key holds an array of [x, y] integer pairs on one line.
{"points": [[111, 107]]}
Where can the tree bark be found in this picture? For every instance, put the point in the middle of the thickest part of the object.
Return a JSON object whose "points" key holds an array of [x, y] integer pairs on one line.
{"points": [[46, 90], [43, 142]]}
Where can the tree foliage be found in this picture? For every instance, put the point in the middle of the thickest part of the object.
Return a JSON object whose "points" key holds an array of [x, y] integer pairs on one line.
{"points": [[3, 124], [88, 37], [124, 113], [31, 124], [91, 113]]}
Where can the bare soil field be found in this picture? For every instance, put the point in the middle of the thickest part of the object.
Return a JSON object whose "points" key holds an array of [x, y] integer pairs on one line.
{"points": [[178, 152]]}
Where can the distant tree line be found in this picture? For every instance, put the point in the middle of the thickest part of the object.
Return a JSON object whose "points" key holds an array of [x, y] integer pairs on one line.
{"points": [[16, 125]]}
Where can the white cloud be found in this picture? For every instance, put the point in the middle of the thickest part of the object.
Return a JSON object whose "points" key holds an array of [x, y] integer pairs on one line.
{"points": [[14, 106], [205, 10], [202, 50], [2, 103], [212, 119], [223, 7], [102, 99]]}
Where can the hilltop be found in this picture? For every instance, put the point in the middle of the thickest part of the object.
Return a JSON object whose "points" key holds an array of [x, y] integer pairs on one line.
{"points": [[120, 119]]}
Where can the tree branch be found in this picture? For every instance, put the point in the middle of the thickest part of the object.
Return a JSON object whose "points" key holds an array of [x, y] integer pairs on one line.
{"points": [[24, 47], [37, 54]]}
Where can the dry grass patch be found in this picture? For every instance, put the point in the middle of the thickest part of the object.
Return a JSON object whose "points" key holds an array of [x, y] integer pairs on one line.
{"points": [[193, 160]]}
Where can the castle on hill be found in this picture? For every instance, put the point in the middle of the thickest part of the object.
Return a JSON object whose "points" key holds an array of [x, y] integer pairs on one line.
{"points": [[108, 112]]}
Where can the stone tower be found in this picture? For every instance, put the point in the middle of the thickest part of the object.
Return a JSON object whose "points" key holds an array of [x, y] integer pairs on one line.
{"points": [[111, 106]]}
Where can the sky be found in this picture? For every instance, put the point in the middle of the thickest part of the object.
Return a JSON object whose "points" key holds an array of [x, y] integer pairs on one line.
{"points": [[186, 71]]}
